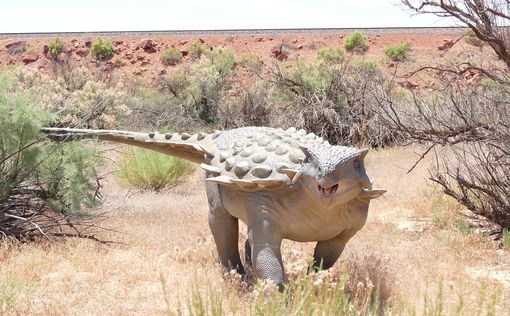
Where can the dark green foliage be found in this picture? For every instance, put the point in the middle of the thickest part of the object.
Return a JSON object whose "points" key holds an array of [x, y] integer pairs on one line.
{"points": [[356, 42], [55, 47], [19, 126], [36, 173], [102, 49], [398, 52], [67, 172]]}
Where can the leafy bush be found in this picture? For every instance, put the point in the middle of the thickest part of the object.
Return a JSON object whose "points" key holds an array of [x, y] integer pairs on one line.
{"points": [[196, 49], [55, 47], [398, 52], [149, 170], [223, 60], [36, 173], [356, 42], [171, 56], [102, 49]]}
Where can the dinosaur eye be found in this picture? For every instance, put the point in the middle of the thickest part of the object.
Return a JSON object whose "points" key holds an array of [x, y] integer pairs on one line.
{"points": [[356, 163]]}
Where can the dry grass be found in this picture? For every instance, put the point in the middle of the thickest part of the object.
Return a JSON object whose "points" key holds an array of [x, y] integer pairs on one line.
{"points": [[165, 258]]}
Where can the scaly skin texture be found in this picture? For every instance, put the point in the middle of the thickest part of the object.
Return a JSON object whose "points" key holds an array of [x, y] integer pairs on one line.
{"points": [[281, 184]]}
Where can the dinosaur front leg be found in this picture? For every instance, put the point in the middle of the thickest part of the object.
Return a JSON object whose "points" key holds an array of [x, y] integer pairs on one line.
{"points": [[225, 230], [327, 252], [266, 238]]}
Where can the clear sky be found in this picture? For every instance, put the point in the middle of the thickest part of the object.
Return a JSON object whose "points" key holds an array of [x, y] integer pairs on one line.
{"points": [[25, 16]]}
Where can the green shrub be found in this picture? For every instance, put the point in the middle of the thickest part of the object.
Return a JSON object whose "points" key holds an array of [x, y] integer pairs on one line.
{"points": [[330, 56], [356, 42], [171, 56], [196, 49], [505, 238], [463, 227], [102, 49], [223, 60], [55, 47], [149, 170], [60, 176], [398, 52]]}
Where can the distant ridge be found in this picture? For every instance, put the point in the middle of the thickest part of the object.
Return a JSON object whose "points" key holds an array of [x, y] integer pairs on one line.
{"points": [[233, 32]]}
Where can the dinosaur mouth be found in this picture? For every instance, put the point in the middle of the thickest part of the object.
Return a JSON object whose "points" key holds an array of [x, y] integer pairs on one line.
{"points": [[327, 192]]}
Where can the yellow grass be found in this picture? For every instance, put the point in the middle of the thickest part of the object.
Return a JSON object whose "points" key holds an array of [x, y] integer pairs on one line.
{"points": [[165, 259]]}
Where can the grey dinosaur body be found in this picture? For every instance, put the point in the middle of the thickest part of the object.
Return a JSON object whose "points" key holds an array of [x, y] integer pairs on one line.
{"points": [[281, 184]]}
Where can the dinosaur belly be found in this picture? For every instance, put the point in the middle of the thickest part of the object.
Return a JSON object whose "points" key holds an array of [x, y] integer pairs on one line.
{"points": [[309, 229]]}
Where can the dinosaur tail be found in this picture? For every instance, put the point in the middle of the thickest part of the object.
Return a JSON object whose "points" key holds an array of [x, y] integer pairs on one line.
{"points": [[182, 145]]}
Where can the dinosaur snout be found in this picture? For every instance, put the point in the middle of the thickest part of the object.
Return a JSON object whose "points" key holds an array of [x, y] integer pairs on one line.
{"points": [[328, 191]]}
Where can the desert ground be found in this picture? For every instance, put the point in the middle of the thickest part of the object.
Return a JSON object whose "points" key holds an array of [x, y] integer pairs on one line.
{"points": [[414, 246], [163, 249]]}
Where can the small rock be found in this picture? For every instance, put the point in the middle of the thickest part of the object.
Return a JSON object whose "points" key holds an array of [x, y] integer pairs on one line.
{"points": [[30, 57], [259, 39], [82, 52], [300, 46], [146, 63], [408, 84], [88, 44], [183, 42], [46, 49], [148, 46], [16, 47], [118, 42]]}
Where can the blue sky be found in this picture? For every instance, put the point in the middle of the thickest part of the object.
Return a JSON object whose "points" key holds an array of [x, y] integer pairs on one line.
{"points": [[114, 15]]}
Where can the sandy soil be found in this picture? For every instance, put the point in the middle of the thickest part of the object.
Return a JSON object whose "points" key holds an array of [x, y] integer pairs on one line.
{"points": [[163, 242], [130, 60]]}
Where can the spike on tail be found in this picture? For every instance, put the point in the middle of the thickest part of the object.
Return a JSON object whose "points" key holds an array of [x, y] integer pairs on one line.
{"points": [[179, 145]]}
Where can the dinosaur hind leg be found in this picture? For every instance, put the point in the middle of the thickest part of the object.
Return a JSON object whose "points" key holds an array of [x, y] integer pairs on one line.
{"points": [[225, 230]]}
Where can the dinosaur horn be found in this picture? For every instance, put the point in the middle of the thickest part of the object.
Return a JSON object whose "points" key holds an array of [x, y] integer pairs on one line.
{"points": [[179, 145]]}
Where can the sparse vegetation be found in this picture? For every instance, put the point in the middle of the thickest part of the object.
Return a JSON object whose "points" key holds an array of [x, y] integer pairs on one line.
{"points": [[398, 52], [170, 56], [55, 47], [102, 49], [471, 38], [196, 49], [330, 55], [148, 170], [356, 42]]}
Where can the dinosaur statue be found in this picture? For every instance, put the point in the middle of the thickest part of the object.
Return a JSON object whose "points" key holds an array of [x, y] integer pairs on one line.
{"points": [[281, 184]]}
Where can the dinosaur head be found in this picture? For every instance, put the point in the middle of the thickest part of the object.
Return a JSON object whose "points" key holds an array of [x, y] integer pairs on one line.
{"points": [[334, 174]]}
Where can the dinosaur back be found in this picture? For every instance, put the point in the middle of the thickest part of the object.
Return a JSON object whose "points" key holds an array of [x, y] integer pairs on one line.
{"points": [[258, 158]]}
